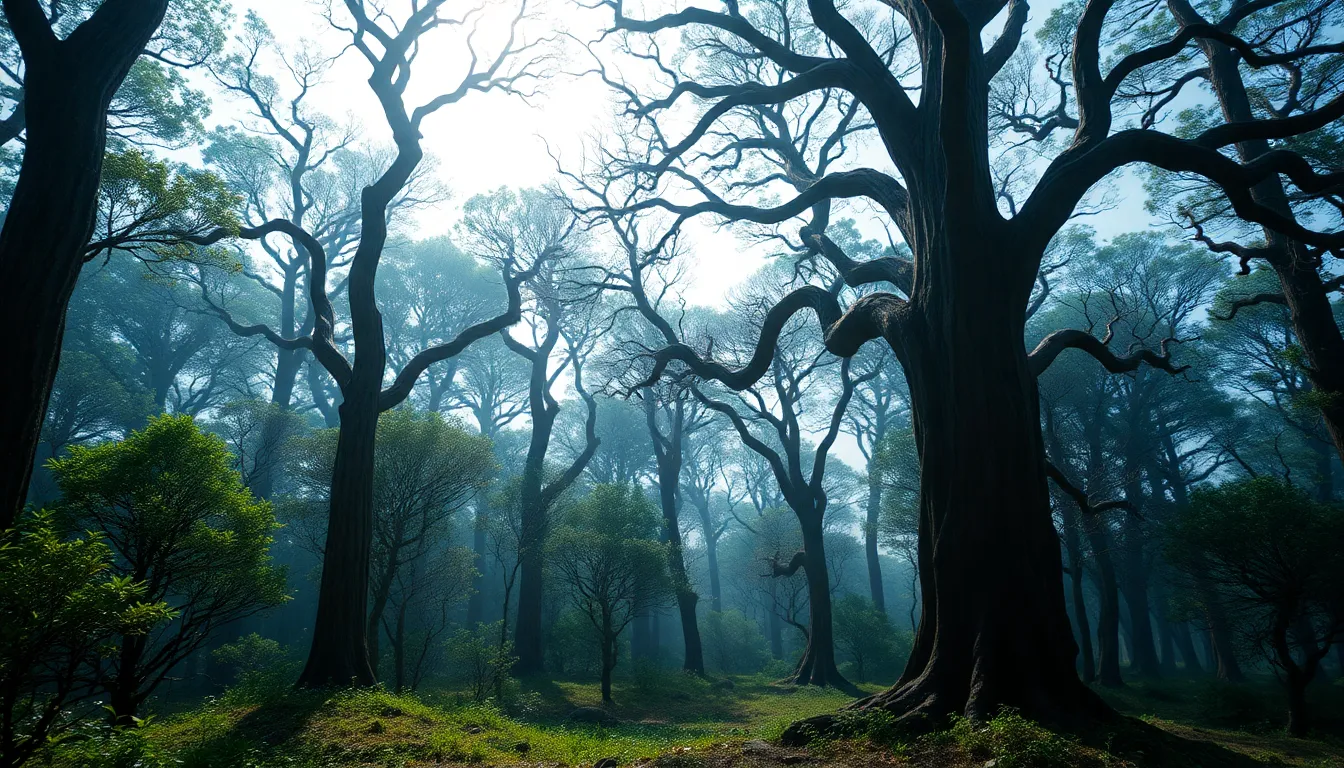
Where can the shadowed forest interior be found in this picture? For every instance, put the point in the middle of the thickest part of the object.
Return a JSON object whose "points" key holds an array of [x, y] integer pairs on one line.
{"points": [[675, 383]]}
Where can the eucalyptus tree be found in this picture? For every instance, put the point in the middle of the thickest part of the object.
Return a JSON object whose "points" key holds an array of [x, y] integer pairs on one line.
{"points": [[995, 631], [339, 652], [535, 225]]}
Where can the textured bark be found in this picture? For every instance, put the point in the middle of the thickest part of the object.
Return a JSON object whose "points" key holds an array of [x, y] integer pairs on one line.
{"points": [[817, 665], [68, 87], [339, 655]]}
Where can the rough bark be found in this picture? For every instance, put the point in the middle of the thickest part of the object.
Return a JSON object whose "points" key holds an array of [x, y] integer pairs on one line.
{"points": [[68, 87]]}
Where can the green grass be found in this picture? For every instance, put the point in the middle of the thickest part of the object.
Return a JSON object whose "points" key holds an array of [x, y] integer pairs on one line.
{"points": [[672, 720]]}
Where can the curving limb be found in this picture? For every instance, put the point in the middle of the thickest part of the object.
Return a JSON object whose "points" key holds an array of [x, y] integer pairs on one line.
{"points": [[785, 570], [1329, 286], [1040, 358], [401, 387], [1080, 496], [873, 316], [891, 269]]}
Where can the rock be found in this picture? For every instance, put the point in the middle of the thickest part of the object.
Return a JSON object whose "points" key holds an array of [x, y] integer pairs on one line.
{"points": [[377, 727], [522, 747], [592, 716], [794, 759], [606, 762], [757, 747], [473, 729], [723, 685], [390, 711]]}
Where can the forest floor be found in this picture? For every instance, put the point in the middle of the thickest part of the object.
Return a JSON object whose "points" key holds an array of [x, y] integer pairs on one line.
{"points": [[675, 721]]}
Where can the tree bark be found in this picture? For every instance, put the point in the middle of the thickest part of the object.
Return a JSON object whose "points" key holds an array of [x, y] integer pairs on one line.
{"points": [[993, 631], [669, 478], [68, 87], [1180, 632], [339, 654], [817, 665], [476, 603]]}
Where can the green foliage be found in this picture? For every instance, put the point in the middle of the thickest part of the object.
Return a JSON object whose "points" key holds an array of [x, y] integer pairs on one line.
{"points": [[149, 207], [1016, 742], [64, 606], [170, 505], [733, 643], [867, 641], [481, 659]]}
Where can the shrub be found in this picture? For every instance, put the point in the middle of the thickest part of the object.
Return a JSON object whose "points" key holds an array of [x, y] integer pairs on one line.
{"points": [[480, 659], [62, 607], [872, 648]]}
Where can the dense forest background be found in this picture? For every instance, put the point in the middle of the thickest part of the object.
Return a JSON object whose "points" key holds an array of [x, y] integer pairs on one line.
{"points": [[1038, 390]]}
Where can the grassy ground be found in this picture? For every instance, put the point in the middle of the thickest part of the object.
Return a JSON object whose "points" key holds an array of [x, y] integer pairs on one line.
{"points": [[675, 721]]}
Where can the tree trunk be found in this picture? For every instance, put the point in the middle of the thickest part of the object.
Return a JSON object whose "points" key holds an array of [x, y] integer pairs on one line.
{"points": [[68, 85], [1074, 547], [399, 650], [1143, 651], [817, 665], [1180, 632], [712, 563], [875, 588], [122, 699], [339, 654], [669, 476], [608, 658], [527, 629], [776, 627], [993, 631], [476, 603], [1220, 632], [1108, 615]]}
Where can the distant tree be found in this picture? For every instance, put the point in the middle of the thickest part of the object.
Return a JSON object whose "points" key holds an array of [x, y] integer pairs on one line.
{"points": [[865, 638], [177, 516], [1276, 557], [64, 608], [605, 554], [258, 434], [733, 644]]}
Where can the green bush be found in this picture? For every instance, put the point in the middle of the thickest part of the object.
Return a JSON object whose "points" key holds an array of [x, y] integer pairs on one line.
{"points": [[479, 659], [869, 647]]}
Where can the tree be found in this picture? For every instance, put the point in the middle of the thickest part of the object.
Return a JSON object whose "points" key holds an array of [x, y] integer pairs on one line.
{"points": [[995, 631], [614, 570], [866, 638], [64, 606], [1274, 554], [426, 469], [69, 83], [339, 653], [178, 518], [794, 371], [534, 225]]}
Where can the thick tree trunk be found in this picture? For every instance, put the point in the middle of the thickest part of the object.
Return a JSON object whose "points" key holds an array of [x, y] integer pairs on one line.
{"points": [[527, 630], [874, 511], [993, 631], [817, 665], [1108, 614], [339, 654], [123, 701], [68, 85]]}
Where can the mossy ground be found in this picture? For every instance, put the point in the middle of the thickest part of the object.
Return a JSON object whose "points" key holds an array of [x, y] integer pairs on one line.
{"points": [[677, 721]]}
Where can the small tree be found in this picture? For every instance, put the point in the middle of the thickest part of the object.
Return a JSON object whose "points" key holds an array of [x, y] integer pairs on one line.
{"points": [[62, 606], [605, 554], [179, 519], [866, 639], [480, 660], [1277, 558]]}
